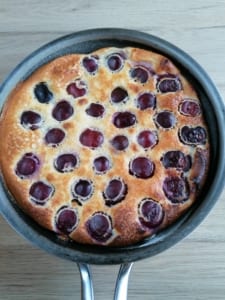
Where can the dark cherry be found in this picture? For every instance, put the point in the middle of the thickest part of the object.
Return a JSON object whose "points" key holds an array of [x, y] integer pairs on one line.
{"points": [[42, 93], [139, 74], [147, 139], [165, 119], [151, 213], [54, 136], [188, 163], [176, 189], [90, 64], [66, 220], [65, 162], [146, 100], [176, 159], [120, 142], [114, 192], [142, 167], [115, 62], [31, 120], [27, 165], [40, 192], [99, 226], [193, 135], [101, 164], [91, 138], [168, 83], [82, 189], [190, 108], [124, 119], [199, 168], [119, 95], [62, 111], [77, 88], [95, 110]]}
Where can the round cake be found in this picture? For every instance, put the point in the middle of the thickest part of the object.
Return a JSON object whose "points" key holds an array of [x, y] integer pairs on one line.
{"points": [[105, 148]]}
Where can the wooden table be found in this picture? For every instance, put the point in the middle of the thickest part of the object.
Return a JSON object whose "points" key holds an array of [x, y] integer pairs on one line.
{"points": [[195, 268]]}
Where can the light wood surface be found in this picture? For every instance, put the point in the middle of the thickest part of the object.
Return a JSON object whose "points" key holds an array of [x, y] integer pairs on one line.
{"points": [[194, 269]]}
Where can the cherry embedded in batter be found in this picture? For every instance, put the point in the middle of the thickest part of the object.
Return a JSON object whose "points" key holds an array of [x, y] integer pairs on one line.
{"points": [[66, 162], [189, 108], [168, 83], [146, 100], [151, 213], [120, 142], [124, 119], [42, 93], [31, 120], [40, 192], [115, 62], [119, 95], [176, 159], [165, 119], [82, 189], [142, 167], [62, 111], [199, 168], [95, 110], [90, 63], [54, 136], [101, 164], [77, 88], [139, 74], [27, 165], [91, 138], [99, 226], [147, 139], [176, 189], [66, 220], [114, 192], [193, 135]]}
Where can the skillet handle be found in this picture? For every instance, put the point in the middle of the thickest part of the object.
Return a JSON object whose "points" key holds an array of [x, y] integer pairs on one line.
{"points": [[87, 292], [121, 288]]}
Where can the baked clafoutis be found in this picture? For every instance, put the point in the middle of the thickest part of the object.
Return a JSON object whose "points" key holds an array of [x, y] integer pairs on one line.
{"points": [[105, 148]]}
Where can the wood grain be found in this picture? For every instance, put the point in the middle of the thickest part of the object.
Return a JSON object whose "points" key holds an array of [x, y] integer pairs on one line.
{"points": [[194, 269]]}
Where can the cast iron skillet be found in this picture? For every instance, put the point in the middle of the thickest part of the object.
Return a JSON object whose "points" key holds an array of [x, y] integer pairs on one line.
{"points": [[85, 42]]}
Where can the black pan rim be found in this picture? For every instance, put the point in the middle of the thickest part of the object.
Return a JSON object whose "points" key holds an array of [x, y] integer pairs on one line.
{"points": [[102, 255]]}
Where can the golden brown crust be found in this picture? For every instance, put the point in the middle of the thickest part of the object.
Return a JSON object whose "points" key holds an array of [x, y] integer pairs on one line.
{"points": [[17, 140]]}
